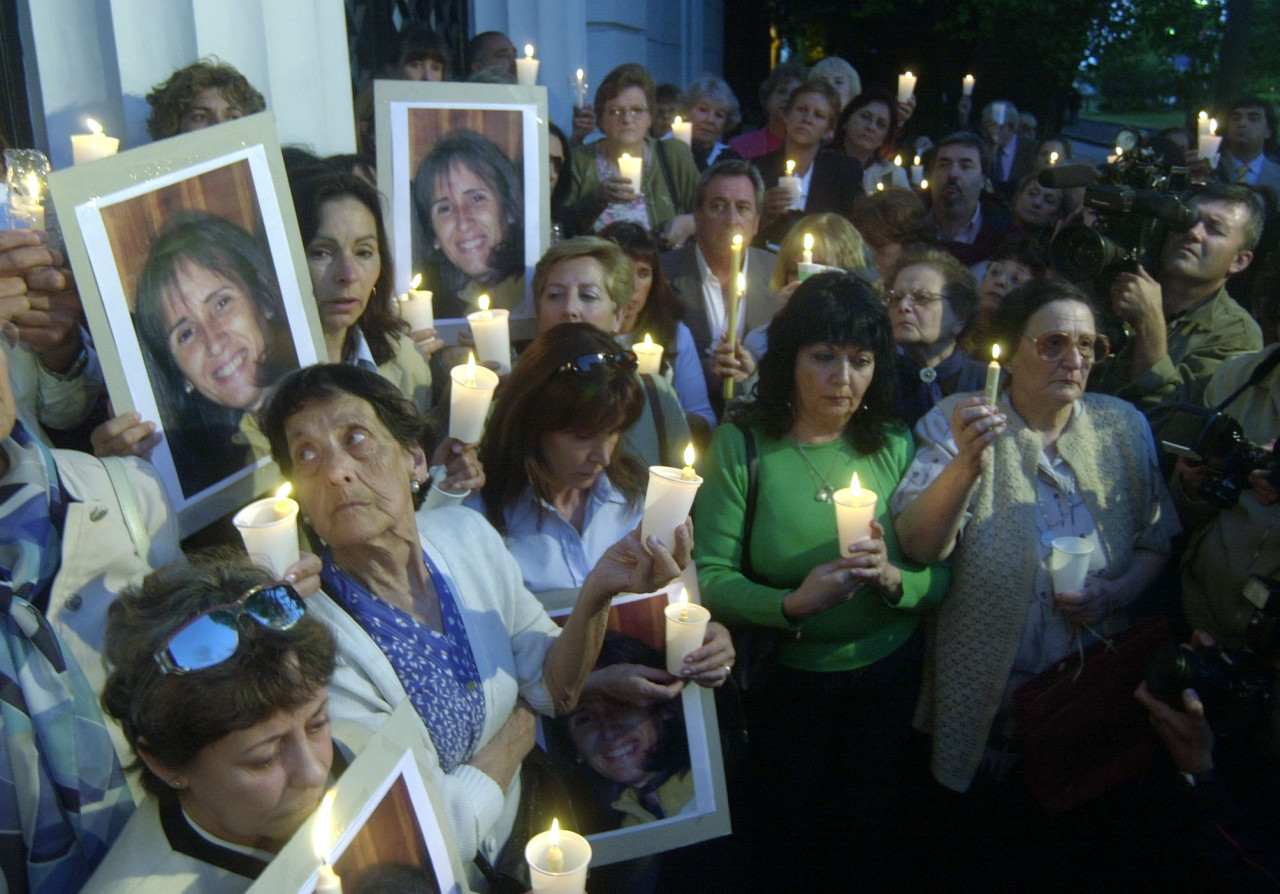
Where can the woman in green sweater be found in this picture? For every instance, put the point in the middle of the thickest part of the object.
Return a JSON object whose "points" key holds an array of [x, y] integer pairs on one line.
{"points": [[830, 723]]}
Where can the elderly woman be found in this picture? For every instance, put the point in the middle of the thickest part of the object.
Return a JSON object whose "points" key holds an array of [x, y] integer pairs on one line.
{"points": [[866, 126], [432, 608], [346, 242], [1017, 260], [217, 675], [840, 75], [932, 298], [468, 203], [1037, 208], [892, 221], [201, 95], [769, 558], [710, 106], [783, 78], [599, 194], [991, 488]]}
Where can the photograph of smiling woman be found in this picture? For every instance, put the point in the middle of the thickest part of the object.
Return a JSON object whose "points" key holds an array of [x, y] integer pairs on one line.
{"points": [[456, 278], [200, 418]]}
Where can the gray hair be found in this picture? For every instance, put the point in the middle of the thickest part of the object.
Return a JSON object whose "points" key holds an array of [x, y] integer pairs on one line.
{"points": [[835, 65], [715, 90]]}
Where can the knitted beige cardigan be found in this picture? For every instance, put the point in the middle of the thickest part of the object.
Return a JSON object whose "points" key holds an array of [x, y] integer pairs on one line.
{"points": [[973, 637]]}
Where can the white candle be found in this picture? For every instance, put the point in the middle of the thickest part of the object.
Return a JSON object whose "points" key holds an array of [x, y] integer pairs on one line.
{"points": [[966, 86], [808, 248], [574, 858], [1209, 147], [93, 145], [683, 130], [581, 85], [322, 841], [906, 86], [26, 210], [855, 508], [992, 391], [917, 170], [1202, 125], [686, 629], [416, 307], [1053, 158], [527, 68], [469, 400], [648, 356], [631, 168], [792, 184], [491, 330], [998, 112], [269, 528], [667, 502]]}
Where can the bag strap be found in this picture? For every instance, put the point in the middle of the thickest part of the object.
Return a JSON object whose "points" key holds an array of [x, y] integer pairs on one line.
{"points": [[659, 420], [753, 487], [129, 507]]}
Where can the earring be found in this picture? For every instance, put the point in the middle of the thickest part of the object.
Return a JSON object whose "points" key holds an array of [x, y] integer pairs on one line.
{"points": [[187, 386], [415, 485], [177, 783]]}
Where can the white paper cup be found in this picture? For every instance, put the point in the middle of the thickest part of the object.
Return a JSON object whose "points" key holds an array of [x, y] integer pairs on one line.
{"points": [[270, 535], [577, 857], [667, 502], [684, 635], [418, 311], [492, 335], [469, 402], [1069, 563]]}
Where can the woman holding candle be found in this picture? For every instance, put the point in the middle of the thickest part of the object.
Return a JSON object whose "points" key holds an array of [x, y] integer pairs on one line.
{"points": [[830, 723], [991, 487], [468, 203], [599, 193], [866, 127], [229, 720], [342, 228], [431, 607], [709, 104], [655, 310]]}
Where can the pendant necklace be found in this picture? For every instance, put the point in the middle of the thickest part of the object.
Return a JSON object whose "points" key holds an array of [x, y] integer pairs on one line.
{"points": [[825, 490]]}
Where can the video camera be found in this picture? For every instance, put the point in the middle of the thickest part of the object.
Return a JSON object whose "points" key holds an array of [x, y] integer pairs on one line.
{"points": [[1235, 686], [1212, 438]]}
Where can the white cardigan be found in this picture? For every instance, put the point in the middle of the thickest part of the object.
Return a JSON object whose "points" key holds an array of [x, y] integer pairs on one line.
{"points": [[509, 632]]}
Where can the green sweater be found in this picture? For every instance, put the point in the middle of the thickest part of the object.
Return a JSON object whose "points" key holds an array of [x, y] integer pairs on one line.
{"points": [[792, 534]]}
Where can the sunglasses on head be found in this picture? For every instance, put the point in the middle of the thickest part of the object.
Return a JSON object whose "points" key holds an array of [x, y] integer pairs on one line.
{"points": [[1053, 346], [213, 636], [588, 363]]}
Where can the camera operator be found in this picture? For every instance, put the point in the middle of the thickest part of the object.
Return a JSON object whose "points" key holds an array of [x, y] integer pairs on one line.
{"points": [[1229, 805], [1184, 324]]}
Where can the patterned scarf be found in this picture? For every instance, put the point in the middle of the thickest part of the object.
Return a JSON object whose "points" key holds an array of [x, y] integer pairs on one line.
{"points": [[63, 797]]}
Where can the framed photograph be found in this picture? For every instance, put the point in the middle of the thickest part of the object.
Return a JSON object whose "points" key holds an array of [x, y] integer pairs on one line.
{"points": [[642, 779], [465, 167], [194, 282], [388, 826]]}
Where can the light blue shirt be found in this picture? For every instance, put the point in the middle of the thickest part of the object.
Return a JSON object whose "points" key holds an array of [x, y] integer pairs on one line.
{"points": [[551, 553]]}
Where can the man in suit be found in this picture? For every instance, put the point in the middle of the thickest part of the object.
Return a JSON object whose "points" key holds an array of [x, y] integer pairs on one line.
{"points": [[1250, 124], [727, 204], [1011, 158]]}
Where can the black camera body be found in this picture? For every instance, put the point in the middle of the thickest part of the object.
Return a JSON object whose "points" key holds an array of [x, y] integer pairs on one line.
{"points": [[1216, 440], [1235, 686]]}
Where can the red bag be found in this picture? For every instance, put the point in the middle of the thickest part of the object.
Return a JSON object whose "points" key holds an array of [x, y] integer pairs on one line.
{"points": [[1080, 731]]}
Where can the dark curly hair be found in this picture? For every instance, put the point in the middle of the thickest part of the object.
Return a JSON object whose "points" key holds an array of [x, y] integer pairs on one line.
{"points": [[838, 309], [171, 100], [663, 308]]}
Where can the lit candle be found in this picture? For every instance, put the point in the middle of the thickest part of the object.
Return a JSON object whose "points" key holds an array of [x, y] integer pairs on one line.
{"points": [[992, 391], [735, 307], [917, 170], [791, 183], [581, 84], [966, 86], [1202, 124], [855, 508], [92, 145], [565, 873], [648, 356], [924, 184], [631, 168], [416, 307], [687, 473], [527, 68], [1053, 158], [808, 248], [1210, 142], [906, 86], [806, 268], [469, 400], [491, 330], [683, 130], [322, 841], [667, 502], [686, 629], [269, 528], [879, 186], [27, 212]]}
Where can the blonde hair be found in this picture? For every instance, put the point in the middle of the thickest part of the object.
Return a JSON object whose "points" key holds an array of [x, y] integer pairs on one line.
{"points": [[836, 243]]}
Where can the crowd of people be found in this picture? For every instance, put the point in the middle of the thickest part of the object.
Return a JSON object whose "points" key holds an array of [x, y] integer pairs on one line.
{"points": [[171, 718]]}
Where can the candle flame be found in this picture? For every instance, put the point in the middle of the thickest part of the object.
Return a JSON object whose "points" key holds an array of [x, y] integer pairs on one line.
{"points": [[855, 486], [897, 161], [689, 454], [1203, 116], [555, 832], [483, 302], [623, 157], [908, 75], [33, 185], [528, 51], [684, 596], [416, 281], [808, 242], [924, 183], [471, 368], [995, 352], [1213, 125], [916, 161], [880, 187], [1053, 158], [737, 240], [322, 832], [968, 78], [648, 340], [94, 127], [677, 121], [581, 74], [284, 491], [791, 166]]}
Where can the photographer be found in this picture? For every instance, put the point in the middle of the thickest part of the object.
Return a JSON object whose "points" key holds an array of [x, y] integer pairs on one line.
{"points": [[1184, 323], [1240, 852]]}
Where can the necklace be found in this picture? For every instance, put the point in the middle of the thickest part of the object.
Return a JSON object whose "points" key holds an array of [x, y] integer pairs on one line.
{"points": [[825, 490]]}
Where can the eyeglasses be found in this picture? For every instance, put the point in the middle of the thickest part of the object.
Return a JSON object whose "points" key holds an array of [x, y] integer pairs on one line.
{"points": [[588, 363], [1053, 346], [917, 297], [633, 112], [213, 636]]}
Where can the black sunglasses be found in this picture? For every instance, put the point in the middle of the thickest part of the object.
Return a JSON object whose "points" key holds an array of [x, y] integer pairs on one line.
{"points": [[213, 636], [588, 363]]}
